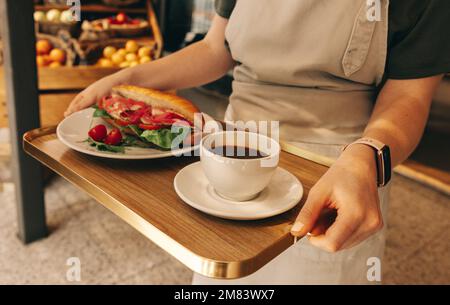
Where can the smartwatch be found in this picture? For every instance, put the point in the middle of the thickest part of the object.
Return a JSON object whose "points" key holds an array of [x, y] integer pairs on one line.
{"points": [[382, 158]]}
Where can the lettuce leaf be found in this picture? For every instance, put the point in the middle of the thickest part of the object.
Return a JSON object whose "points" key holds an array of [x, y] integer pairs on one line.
{"points": [[135, 129], [100, 113], [134, 141], [105, 147], [165, 138]]}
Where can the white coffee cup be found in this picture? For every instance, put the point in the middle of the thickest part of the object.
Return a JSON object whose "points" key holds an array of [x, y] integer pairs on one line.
{"points": [[239, 179]]}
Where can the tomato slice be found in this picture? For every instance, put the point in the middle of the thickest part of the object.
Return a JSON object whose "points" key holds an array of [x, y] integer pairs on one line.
{"points": [[133, 116], [130, 112], [147, 119], [122, 123], [101, 103], [125, 111], [151, 126], [167, 118]]}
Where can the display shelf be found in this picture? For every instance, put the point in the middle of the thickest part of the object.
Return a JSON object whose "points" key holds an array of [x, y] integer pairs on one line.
{"points": [[71, 78], [79, 77], [95, 8]]}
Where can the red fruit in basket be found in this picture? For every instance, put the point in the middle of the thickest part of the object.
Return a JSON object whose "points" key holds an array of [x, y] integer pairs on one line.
{"points": [[58, 55], [98, 133], [121, 18], [114, 137], [114, 21], [42, 60], [43, 47]]}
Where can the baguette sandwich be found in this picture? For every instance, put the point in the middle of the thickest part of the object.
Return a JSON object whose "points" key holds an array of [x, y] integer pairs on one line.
{"points": [[149, 115]]}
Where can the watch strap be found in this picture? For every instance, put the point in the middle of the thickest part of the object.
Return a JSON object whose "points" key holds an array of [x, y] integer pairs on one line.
{"points": [[382, 158]]}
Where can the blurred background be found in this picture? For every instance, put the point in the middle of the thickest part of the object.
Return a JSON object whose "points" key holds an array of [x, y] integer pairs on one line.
{"points": [[115, 34]]}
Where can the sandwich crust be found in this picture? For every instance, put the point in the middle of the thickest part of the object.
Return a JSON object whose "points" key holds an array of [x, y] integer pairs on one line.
{"points": [[158, 99]]}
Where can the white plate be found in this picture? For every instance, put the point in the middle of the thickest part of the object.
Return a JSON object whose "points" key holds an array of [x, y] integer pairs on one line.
{"points": [[283, 193], [73, 130]]}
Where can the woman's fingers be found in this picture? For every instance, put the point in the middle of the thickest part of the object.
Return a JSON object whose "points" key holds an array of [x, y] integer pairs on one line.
{"points": [[370, 226], [343, 229], [309, 213], [325, 220], [80, 102], [74, 105]]}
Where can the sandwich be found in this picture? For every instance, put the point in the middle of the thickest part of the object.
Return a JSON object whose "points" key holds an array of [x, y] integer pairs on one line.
{"points": [[153, 118]]}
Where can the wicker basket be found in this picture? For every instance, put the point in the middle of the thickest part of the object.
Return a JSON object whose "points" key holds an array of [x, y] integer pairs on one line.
{"points": [[64, 42], [94, 51], [55, 2], [52, 28], [154, 32], [100, 30]]}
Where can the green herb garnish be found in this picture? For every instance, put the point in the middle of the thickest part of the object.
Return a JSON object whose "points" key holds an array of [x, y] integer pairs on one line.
{"points": [[105, 147], [101, 113]]}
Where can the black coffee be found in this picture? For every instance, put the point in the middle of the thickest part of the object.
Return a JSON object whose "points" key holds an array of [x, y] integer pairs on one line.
{"points": [[237, 152]]}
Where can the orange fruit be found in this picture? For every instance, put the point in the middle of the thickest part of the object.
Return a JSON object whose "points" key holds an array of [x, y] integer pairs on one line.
{"points": [[109, 51], [130, 57], [117, 58], [133, 64], [55, 64], [144, 52], [131, 46], [41, 61], [43, 46], [125, 64], [145, 59], [58, 55], [122, 51], [105, 63]]}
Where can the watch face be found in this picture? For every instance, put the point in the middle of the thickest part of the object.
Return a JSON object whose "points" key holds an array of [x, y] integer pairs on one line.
{"points": [[386, 155]]}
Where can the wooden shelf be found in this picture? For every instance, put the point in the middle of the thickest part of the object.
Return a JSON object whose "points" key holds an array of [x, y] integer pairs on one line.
{"points": [[71, 78], [93, 8]]}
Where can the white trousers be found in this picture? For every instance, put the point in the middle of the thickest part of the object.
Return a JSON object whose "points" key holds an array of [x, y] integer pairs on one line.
{"points": [[303, 263]]}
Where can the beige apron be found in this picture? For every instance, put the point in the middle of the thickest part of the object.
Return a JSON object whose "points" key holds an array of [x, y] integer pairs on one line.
{"points": [[314, 66]]}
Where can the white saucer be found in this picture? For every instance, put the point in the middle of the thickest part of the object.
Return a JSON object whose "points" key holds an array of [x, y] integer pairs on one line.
{"points": [[282, 194]]}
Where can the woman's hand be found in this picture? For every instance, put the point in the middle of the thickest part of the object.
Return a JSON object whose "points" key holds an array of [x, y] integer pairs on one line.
{"points": [[348, 194], [95, 92]]}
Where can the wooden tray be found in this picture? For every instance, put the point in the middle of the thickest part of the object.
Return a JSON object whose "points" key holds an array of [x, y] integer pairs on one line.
{"points": [[142, 194]]}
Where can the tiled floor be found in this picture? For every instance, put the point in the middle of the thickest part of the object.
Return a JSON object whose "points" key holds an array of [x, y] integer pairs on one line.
{"points": [[110, 251], [418, 243]]}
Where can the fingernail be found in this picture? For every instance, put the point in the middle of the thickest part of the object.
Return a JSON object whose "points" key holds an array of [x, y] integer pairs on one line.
{"points": [[297, 227]]}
